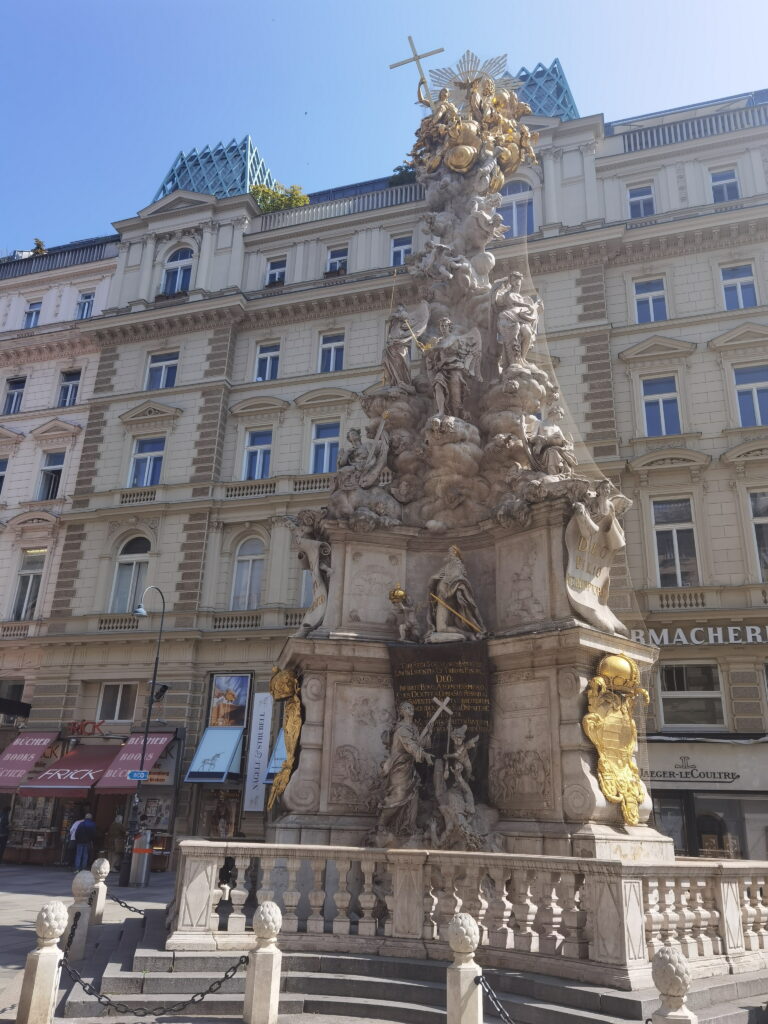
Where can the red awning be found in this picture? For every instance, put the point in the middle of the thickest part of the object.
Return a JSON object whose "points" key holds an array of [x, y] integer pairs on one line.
{"points": [[73, 776], [128, 758], [20, 757]]}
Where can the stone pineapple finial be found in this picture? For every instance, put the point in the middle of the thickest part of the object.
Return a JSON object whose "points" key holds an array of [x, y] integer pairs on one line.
{"points": [[82, 884], [463, 937], [100, 869], [50, 923], [671, 976], [267, 922]]}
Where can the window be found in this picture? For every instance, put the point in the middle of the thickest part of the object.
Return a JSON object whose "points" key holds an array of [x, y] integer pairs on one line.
{"points": [[28, 584], [147, 462], [331, 353], [161, 371], [32, 315], [3, 469], [640, 199], [739, 286], [276, 271], [759, 504], [68, 388], [517, 214], [50, 476], [84, 308], [14, 392], [690, 695], [257, 455], [662, 415], [337, 260], [675, 543], [752, 395], [725, 186], [402, 247], [117, 702], [11, 690], [325, 447], [178, 272], [650, 303], [249, 570], [267, 361], [130, 574]]}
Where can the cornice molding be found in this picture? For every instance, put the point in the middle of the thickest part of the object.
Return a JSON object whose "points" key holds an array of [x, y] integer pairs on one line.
{"points": [[164, 324], [42, 351]]}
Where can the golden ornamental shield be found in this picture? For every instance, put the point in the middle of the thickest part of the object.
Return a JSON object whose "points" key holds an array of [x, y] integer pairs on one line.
{"points": [[610, 726]]}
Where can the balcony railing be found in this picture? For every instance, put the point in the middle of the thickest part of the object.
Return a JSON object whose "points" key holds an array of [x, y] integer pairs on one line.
{"points": [[395, 196], [704, 599], [117, 623], [691, 128], [138, 496], [251, 489], [318, 482], [61, 257], [237, 620], [14, 630]]}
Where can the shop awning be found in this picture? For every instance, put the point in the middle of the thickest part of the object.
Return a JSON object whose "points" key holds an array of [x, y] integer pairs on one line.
{"points": [[74, 775], [20, 757], [128, 758], [217, 757]]}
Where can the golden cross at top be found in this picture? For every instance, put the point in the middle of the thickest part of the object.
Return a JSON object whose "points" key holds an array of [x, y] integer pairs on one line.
{"points": [[416, 59]]}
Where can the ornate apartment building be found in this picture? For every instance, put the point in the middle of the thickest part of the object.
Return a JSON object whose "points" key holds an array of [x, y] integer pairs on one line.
{"points": [[172, 393]]}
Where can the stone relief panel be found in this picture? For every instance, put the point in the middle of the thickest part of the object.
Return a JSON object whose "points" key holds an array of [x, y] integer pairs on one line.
{"points": [[521, 763], [370, 574], [522, 582], [363, 719]]}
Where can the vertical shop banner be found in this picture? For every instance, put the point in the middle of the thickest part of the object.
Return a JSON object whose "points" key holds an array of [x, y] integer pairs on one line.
{"points": [[258, 752]]}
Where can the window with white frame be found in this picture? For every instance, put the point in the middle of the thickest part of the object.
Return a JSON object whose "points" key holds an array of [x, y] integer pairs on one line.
{"points": [[675, 543], [249, 575], [337, 260], [130, 575], [84, 308], [325, 447], [267, 361], [178, 272], [50, 476], [516, 208], [161, 371], [640, 201], [331, 353], [752, 394], [69, 385], [28, 583], [258, 452], [3, 471], [402, 247], [276, 271], [725, 185], [14, 392], [117, 702], [650, 301], [758, 501], [691, 696], [147, 462], [739, 286], [660, 404], [32, 314]]}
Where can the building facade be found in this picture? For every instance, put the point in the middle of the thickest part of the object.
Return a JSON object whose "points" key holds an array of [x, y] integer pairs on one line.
{"points": [[221, 364]]}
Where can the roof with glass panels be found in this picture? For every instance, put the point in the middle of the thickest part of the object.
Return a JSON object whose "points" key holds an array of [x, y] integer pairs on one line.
{"points": [[221, 170]]}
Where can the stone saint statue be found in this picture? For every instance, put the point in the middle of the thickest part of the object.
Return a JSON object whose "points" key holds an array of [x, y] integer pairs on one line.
{"points": [[401, 799], [315, 555], [404, 328], [451, 362], [364, 458], [517, 320], [551, 449], [452, 613]]}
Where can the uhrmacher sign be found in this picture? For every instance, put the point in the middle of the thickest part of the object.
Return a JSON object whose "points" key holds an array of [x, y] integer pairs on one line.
{"points": [[696, 636]]}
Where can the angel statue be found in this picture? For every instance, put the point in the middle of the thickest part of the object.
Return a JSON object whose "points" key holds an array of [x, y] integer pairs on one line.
{"points": [[517, 320], [404, 327]]}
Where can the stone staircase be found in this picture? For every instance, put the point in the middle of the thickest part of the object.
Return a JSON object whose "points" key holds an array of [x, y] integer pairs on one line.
{"points": [[140, 972]]}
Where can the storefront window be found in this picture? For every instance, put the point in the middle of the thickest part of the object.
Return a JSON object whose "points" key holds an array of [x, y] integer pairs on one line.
{"points": [[669, 812], [719, 826]]}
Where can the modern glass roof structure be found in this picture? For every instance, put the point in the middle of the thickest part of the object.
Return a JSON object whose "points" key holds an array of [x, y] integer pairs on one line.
{"points": [[547, 91], [221, 171]]}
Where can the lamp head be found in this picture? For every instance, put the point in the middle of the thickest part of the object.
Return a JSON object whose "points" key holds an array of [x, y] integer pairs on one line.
{"points": [[140, 611]]}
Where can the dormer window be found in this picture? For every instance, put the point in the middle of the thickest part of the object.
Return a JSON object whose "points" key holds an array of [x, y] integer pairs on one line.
{"points": [[178, 272]]}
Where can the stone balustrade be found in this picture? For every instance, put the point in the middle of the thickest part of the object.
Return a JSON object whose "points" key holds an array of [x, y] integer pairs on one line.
{"points": [[596, 920]]}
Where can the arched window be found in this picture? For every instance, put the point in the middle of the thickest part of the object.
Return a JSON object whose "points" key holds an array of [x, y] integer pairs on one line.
{"points": [[517, 208], [178, 272], [249, 572], [130, 575]]}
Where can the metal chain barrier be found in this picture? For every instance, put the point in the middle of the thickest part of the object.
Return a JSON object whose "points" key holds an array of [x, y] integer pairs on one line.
{"points": [[493, 999], [156, 1011], [71, 935], [126, 906]]}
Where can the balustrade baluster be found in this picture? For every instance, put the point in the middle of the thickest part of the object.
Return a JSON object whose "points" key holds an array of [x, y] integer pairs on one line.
{"points": [[367, 898], [761, 911], [473, 901], [267, 864], [550, 913], [669, 916], [713, 922], [291, 895], [449, 901], [748, 913], [499, 908], [238, 894], [316, 920], [653, 916], [701, 919], [571, 890], [686, 919], [524, 910], [342, 896], [429, 929]]}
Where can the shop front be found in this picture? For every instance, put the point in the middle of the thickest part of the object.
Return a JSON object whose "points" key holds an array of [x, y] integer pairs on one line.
{"points": [[34, 837], [711, 796]]}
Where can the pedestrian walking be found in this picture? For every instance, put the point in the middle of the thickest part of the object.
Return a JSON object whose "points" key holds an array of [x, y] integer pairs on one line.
{"points": [[5, 829], [84, 836], [116, 842]]}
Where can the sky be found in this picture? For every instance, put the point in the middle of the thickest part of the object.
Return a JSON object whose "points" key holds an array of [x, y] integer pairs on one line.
{"points": [[99, 96]]}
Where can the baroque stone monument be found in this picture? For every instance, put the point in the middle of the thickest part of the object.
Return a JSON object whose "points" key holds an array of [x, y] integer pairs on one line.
{"points": [[464, 682]]}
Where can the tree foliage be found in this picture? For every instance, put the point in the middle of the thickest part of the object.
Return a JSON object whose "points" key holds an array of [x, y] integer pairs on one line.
{"points": [[39, 249], [403, 174], [279, 197]]}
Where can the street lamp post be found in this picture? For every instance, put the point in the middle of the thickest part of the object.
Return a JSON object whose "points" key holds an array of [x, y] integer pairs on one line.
{"points": [[125, 865]]}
